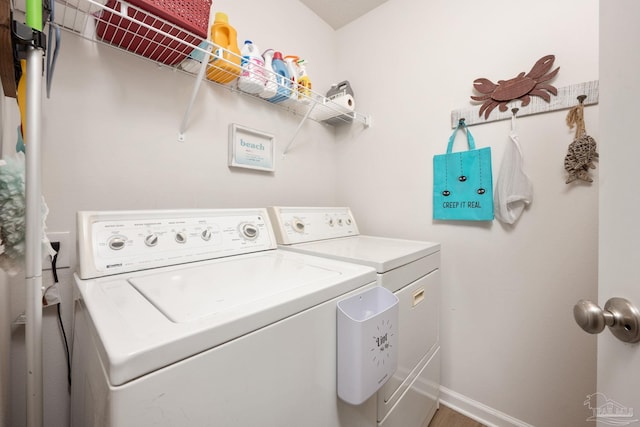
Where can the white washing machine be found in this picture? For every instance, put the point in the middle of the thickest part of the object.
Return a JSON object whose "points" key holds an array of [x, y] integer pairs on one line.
{"points": [[408, 268], [194, 318]]}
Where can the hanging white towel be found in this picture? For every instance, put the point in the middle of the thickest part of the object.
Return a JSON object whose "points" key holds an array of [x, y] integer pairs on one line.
{"points": [[513, 190]]}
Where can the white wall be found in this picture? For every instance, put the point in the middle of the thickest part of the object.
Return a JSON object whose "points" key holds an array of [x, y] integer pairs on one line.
{"points": [[508, 336]]}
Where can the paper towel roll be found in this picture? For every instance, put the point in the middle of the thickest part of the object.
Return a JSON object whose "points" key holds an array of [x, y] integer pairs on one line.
{"points": [[336, 110]]}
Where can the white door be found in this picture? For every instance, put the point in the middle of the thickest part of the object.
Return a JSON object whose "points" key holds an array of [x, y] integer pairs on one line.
{"points": [[619, 230]]}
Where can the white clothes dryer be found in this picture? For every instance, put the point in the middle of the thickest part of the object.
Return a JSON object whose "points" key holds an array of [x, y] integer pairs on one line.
{"points": [[195, 318], [408, 268]]}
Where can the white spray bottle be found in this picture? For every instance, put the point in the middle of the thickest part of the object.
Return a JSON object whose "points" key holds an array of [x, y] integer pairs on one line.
{"points": [[271, 86]]}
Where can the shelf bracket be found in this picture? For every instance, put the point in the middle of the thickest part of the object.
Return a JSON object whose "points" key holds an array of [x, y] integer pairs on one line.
{"points": [[196, 88], [367, 120], [295, 133], [566, 98]]}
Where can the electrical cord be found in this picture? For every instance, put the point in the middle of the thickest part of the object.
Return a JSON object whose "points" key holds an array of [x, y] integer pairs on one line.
{"points": [[66, 347], [54, 259]]}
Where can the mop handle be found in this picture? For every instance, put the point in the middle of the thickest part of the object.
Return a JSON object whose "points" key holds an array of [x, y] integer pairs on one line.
{"points": [[34, 14]]}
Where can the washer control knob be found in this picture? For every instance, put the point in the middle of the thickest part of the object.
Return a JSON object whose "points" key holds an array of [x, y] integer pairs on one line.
{"points": [[340, 222], [206, 235], [298, 225], [181, 237], [151, 240], [249, 231], [331, 222], [117, 242], [348, 221]]}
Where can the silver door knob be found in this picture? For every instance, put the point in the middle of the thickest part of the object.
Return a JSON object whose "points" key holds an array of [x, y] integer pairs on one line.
{"points": [[622, 318]]}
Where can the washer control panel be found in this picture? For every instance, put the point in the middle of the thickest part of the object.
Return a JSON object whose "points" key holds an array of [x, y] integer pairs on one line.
{"points": [[298, 225], [122, 241]]}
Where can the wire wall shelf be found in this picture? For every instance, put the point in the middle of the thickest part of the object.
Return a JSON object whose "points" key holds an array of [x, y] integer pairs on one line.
{"points": [[129, 28]]}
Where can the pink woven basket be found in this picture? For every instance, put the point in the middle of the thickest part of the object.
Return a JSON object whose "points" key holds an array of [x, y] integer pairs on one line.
{"points": [[186, 20], [192, 15]]}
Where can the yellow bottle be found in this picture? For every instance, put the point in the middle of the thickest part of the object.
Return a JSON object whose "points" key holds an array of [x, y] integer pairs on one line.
{"points": [[224, 65], [304, 83]]}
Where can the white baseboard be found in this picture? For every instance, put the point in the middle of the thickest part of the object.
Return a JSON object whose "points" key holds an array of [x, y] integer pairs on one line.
{"points": [[478, 411]]}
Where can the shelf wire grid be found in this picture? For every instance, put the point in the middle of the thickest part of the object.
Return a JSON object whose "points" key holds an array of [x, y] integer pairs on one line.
{"points": [[129, 28]]}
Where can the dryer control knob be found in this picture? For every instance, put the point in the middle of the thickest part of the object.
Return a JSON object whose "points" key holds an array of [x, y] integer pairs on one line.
{"points": [[181, 237], [298, 225], [151, 240]]}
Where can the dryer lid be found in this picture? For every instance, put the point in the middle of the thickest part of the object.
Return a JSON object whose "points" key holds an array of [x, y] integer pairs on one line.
{"points": [[383, 254]]}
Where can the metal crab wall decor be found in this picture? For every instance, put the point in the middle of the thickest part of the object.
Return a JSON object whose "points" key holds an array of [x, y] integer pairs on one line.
{"points": [[522, 87]]}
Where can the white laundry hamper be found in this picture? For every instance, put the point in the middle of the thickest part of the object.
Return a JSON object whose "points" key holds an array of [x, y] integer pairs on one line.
{"points": [[367, 343]]}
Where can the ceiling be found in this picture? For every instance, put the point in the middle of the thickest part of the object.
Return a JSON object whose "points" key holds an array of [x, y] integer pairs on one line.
{"points": [[339, 13]]}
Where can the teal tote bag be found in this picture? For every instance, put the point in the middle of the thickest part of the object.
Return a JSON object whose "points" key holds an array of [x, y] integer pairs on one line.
{"points": [[463, 182]]}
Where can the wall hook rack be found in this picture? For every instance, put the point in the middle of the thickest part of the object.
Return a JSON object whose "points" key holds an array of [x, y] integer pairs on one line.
{"points": [[564, 100]]}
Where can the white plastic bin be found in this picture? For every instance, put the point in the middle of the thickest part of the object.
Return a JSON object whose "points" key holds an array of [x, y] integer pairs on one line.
{"points": [[367, 343]]}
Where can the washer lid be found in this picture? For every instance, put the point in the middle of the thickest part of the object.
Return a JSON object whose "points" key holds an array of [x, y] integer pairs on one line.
{"points": [[383, 254], [195, 293], [150, 319]]}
